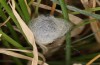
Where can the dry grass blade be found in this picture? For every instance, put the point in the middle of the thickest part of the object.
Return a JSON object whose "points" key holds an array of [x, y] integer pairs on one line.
{"points": [[11, 52], [85, 2], [94, 25], [40, 62], [76, 20], [43, 58], [5, 22], [98, 2], [14, 54], [26, 51], [94, 59], [42, 6], [28, 34]]}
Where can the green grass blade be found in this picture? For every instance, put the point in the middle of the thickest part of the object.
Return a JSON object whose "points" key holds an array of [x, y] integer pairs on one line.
{"points": [[96, 16], [68, 48], [5, 43], [64, 10], [84, 12], [24, 10], [89, 9], [10, 40], [68, 35], [9, 11], [12, 31]]}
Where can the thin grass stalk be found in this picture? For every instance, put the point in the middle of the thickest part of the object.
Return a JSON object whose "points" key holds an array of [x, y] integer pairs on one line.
{"points": [[31, 2], [64, 10], [96, 16], [68, 35], [53, 8], [37, 7], [68, 48], [93, 60], [89, 9], [12, 31], [83, 46], [24, 10], [85, 22]]}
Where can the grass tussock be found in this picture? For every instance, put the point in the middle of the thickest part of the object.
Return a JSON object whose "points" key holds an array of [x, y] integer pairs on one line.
{"points": [[81, 45]]}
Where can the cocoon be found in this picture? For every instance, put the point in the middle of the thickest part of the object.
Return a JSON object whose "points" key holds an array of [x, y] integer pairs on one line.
{"points": [[47, 29]]}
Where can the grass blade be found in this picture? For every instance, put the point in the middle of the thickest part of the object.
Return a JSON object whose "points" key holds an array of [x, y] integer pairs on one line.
{"points": [[10, 40], [12, 31], [24, 10], [68, 35], [37, 7], [84, 12]]}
